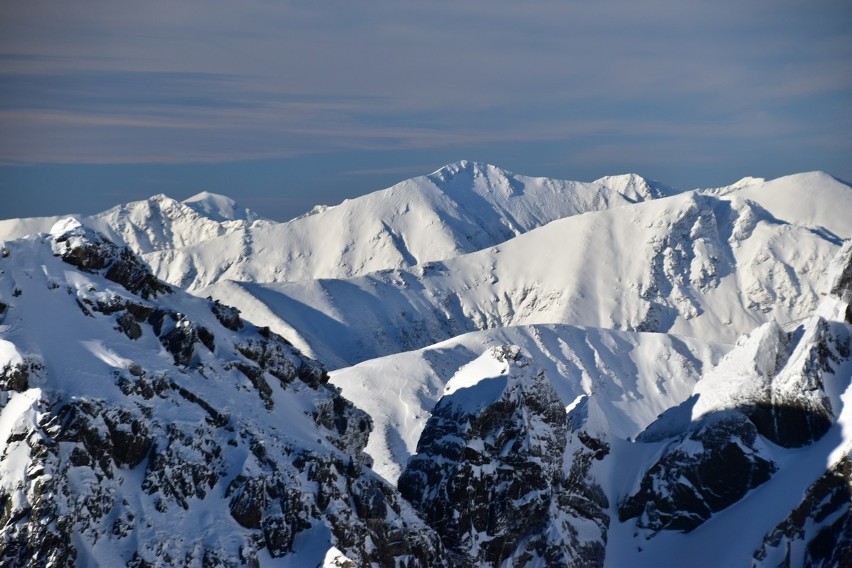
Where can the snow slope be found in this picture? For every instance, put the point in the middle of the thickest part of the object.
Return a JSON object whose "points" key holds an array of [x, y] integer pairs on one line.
{"points": [[696, 264], [634, 376], [460, 208], [804, 379], [732, 475], [142, 426], [156, 223]]}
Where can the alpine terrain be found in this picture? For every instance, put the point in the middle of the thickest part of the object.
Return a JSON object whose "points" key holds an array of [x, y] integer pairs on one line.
{"points": [[471, 368]]}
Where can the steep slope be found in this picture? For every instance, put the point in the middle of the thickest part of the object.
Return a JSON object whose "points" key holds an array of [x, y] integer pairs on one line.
{"points": [[636, 376], [700, 265], [156, 223], [753, 467], [460, 208], [768, 427], [141, 426]]}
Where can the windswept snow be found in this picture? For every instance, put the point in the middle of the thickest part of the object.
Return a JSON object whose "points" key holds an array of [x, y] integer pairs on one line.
{"points": [[460, 208], [156, 223], [704, 266]]}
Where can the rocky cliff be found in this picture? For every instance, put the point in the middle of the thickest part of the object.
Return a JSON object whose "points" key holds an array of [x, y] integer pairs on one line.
{"points": [[140, 426]]}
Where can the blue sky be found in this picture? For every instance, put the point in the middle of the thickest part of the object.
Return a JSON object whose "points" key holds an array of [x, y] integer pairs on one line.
{"points": [[284, 105]]}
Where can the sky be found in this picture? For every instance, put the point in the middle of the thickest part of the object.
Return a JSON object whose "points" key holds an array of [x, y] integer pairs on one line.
{"points": [[286, 104]]}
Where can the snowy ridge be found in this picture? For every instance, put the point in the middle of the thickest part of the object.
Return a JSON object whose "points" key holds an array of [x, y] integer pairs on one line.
{"points": [[460, 208], [698, 265], [633, 377], [156, 223], [141, 426]]}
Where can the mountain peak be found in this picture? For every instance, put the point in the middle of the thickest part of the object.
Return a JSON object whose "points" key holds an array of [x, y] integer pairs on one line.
{"points": [[219, 207], [635, 187], [450, 171]]}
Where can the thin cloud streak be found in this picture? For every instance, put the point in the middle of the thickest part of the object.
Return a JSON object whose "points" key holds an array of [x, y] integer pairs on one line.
{"points": [[215, 82]]}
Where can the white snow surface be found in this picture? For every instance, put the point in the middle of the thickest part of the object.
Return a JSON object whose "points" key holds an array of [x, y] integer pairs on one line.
{"points": [[631, 378], [695, 264], [219, 208], [80, 357], [460, 208], [156, 223]]}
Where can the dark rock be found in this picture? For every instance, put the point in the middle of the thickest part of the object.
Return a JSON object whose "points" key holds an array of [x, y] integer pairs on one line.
{"points": [[819, 531], [177, 479], [89, 251], [129, 437], [128, 326], [493, 485], [686, 486], [136, 277], [277, 357], [789, 426], [255, 376], [229, 317], [17, 377], [248, 501]]}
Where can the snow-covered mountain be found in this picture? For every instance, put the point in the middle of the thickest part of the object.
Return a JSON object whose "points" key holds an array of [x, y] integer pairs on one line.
{"points": [[513, 467], [156, 223], [636, 375], [710, 265], [460, 208], [141, 426], [548, 374]]}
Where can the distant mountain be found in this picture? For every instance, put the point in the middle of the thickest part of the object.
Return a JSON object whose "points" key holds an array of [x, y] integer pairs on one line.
{"points": [[156, 223], [142, 426], [706, 264], [461, 208]]}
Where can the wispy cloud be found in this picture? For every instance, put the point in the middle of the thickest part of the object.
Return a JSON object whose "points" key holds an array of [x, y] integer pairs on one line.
{"points": [[201, 82]]}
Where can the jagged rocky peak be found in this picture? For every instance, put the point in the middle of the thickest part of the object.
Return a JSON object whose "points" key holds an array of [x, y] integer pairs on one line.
{"points": [[89, 250], [140, 426], [708, 468], [775, 386], [501, 475]]}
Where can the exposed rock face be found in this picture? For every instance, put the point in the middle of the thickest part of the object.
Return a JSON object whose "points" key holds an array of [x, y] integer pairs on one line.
{"points": [[819, 531], [775, 386], [177, 435], [91, 251], [501, 476], [706, 470], [795, 409]]}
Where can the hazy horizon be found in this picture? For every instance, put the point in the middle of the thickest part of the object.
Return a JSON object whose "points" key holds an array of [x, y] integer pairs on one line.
{"points": [[285, 105]]}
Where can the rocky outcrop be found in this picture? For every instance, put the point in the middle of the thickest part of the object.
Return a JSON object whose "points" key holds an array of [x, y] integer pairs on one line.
{"points": [[819, 531], [502, 477], [91, 251], [703, 472], [166, 432]]}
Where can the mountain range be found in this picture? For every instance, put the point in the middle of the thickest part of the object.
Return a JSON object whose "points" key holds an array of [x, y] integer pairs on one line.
{"points": [[470, 368]]}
